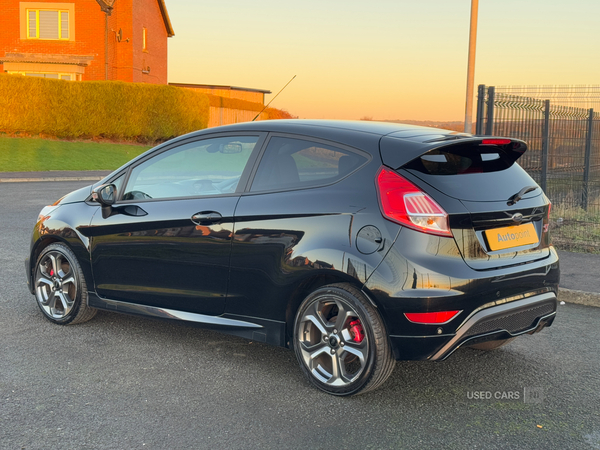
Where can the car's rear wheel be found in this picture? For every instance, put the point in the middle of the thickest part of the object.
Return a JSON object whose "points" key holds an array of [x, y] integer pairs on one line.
{"points": [[340, 341], [491, 345], [60, 288]]}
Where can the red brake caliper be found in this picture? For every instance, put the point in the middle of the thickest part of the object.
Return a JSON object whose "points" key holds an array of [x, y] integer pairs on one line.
{"points": [[356, 329]]}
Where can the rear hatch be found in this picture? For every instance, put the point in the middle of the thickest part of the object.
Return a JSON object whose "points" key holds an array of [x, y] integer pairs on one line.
{"points": [[498, 214]]}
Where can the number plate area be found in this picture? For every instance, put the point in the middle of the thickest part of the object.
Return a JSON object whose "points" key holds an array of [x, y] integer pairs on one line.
{"points": [[509, 237]]}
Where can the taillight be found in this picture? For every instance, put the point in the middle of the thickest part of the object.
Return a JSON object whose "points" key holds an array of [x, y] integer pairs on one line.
{"points": [[547, 224], [404, 203], [436, 318]]}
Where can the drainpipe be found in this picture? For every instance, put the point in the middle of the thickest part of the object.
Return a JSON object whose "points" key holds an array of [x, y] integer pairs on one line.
{"points": [[106, 45], [106, 7]]}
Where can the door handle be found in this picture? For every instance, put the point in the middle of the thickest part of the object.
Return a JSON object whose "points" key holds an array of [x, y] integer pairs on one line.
{"points": [[207, 217]]}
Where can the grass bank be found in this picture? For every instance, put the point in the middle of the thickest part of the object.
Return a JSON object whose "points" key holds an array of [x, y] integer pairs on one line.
{"points": [[34, 154], [573, 229]]}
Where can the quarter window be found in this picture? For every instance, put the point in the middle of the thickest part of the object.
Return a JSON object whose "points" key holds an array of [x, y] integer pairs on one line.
{"points": [[202, 168], [296, 163], [47, 24]]}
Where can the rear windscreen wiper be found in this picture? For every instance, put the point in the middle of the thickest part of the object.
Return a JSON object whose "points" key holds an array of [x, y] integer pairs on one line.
{"points": [[519, 195]]}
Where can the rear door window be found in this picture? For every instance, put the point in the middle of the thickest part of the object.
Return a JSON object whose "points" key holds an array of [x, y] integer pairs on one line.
{"points": [[290, 163]]}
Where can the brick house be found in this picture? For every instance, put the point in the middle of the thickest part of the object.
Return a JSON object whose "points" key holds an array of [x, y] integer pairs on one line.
{"points": [[86, 39]]}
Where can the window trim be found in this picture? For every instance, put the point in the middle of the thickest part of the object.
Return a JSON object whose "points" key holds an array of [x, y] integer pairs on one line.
{"points": [[25, 7], [171, 145], [368, 158]]}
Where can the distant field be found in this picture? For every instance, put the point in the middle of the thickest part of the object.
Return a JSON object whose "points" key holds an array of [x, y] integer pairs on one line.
{"points": [[33, 154]]}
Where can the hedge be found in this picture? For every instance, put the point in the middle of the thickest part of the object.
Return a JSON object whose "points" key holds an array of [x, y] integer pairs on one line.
{"points": [[236, 103], [108, 109]]}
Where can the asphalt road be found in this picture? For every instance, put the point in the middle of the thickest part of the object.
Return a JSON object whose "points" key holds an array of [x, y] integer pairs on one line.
{"points": [[120, 382]]}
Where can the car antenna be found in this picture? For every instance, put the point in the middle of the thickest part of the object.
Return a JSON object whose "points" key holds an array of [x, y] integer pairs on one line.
{"points": [[273, 99]]}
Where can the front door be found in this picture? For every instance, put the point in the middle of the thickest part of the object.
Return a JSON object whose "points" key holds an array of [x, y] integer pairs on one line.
{"points": [[167, 241]]}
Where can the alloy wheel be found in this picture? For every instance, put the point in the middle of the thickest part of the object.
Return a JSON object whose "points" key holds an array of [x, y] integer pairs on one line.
{"points": [[55, 285], [333, 343]]}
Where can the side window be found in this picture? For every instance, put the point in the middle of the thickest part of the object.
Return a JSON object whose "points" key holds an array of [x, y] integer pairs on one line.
{"points": [[208, 167], [296, 163]]}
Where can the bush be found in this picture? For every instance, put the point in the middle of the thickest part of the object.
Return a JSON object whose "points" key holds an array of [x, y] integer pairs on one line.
{"points": [[236, 103], [107, 109], [273, 113]]}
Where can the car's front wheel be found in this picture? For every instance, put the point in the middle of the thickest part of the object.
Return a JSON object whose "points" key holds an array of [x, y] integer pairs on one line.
{"points": [[60, 288], [340, 341]]}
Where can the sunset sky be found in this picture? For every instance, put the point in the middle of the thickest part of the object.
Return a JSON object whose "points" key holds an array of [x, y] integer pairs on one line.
{"points": [[385, 59]]}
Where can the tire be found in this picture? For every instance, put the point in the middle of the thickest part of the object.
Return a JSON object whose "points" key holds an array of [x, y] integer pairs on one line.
{"points": [[342, 355], [491, 345], [60, 288]]}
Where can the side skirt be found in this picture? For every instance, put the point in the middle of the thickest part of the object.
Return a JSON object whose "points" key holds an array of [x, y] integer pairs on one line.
{"points": [[261, 330]]}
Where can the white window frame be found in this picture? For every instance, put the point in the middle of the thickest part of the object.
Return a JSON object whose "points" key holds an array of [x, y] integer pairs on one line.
{"points": [[64, 35]]}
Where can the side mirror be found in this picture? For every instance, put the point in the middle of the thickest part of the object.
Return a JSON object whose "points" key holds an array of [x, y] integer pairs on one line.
{"points": [[106, 194]]}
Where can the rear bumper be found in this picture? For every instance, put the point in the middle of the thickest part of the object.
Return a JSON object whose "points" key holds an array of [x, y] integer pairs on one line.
{"points": [[500, 320]]}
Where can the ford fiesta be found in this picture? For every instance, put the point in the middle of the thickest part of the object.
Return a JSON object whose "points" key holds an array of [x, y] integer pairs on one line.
{"points": [[354, 243]]}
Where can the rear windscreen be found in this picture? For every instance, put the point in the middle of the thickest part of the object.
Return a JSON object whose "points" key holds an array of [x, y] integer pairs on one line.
{"points": [[472, 172], [462, 160]]}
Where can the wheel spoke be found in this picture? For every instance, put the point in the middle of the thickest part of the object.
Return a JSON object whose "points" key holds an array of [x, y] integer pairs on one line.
{"points": [[44, 294], [336, 376], [316, 319], [43, 269], [68, 280], [66, 302], [358, 350], [316, 350], [52, 259], [342, 316], [62, 274], [45, 281]]}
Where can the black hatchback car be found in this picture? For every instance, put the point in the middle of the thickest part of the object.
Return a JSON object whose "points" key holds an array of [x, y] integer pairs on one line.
{"points": [[354, 243]]}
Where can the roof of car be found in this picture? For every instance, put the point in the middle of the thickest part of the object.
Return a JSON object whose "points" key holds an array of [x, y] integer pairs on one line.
{"points": [[303, 126]]}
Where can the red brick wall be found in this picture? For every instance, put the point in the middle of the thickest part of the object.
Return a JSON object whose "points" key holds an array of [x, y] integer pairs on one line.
{"points": [[121, 52], [9, 27], [126, 60], [89, 35], [146, 14]]}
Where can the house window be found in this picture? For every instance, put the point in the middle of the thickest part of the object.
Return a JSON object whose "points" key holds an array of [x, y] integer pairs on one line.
{"points": [[144, 40], [56, 76], [47, 24]]}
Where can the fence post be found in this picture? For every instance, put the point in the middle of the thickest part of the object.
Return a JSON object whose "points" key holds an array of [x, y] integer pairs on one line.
{"points": [[588, 155], [545, 145], [480, 105], [489, 126]]}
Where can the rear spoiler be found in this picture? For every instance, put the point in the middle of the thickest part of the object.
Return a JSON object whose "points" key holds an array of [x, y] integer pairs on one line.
{"points": [[396, 152]]}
